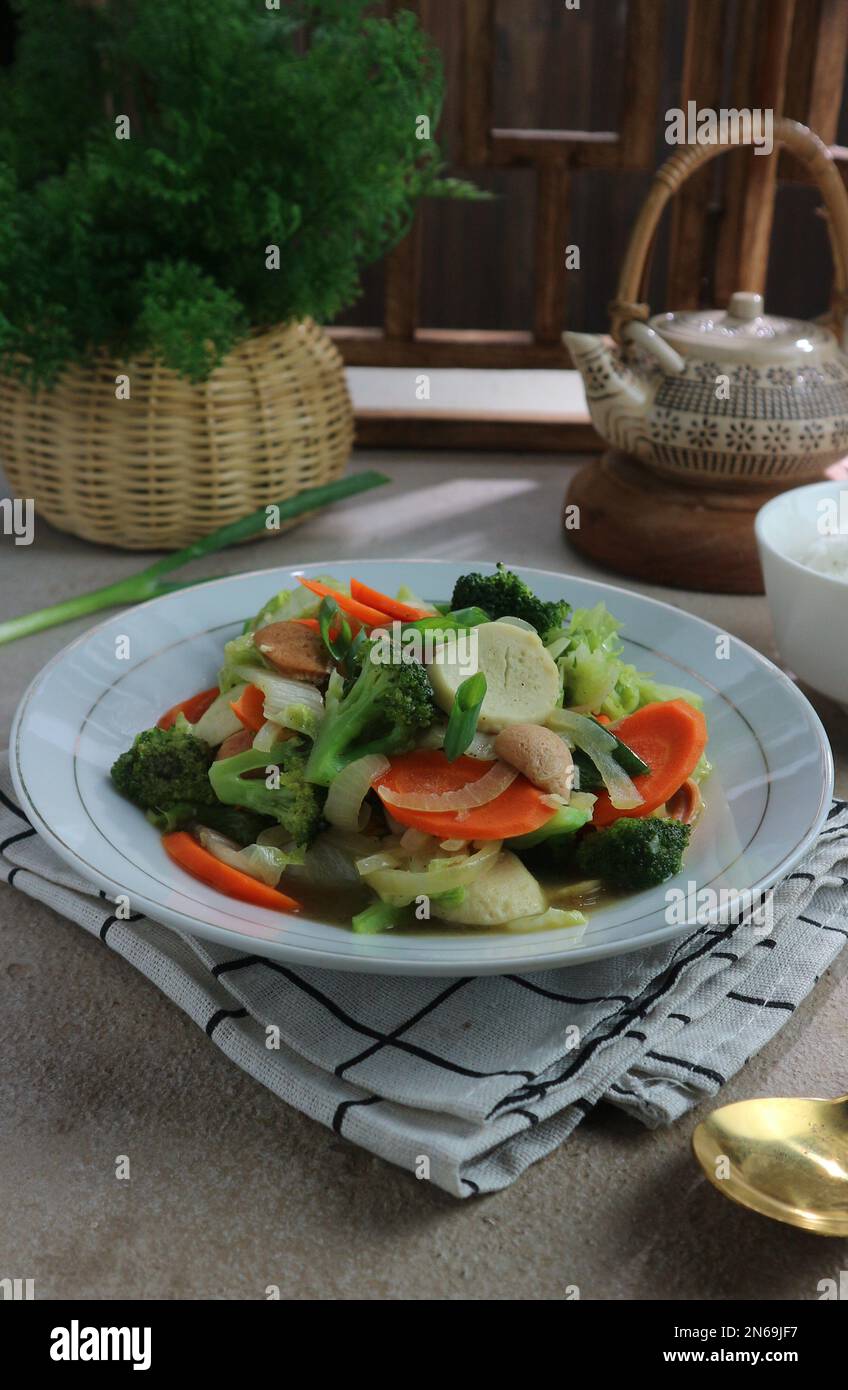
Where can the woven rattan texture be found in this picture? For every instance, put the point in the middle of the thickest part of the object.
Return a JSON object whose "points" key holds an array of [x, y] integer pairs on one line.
{"points": [[177, 460]]}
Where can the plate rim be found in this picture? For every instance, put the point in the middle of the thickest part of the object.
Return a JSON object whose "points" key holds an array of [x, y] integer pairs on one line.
{"points": [[323, 957]]}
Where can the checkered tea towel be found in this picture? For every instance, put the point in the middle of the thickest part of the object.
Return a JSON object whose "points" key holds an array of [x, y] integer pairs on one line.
{"points": [[469, 1081]]}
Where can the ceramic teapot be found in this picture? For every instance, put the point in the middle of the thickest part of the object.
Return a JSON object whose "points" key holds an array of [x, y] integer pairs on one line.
{"points": [[716, 395]]}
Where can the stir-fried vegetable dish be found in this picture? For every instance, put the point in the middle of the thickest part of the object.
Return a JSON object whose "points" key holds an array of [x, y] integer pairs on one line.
{"points": [[487, 761]]}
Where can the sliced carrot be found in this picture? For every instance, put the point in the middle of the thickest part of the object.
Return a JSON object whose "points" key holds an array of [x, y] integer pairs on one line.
{"points": [[602, 719], [670, 736], [517, 811], [392, 607], [197, 861], [192, 708], [312, 623], [250, 708], [370, 617]]}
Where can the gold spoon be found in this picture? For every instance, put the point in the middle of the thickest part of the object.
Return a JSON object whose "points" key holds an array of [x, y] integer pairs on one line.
{"points": [[786, 1158]]}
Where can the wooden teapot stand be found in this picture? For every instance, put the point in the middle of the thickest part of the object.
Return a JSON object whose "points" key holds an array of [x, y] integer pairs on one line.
{"points": [[682, 535]]}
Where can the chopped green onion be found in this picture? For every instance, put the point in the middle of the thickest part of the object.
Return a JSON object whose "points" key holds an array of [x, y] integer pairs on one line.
{"points": [[465, 711], [448, 622], [327, 614], [469, 617], [625, 755], [352, 655], [378, 917]]}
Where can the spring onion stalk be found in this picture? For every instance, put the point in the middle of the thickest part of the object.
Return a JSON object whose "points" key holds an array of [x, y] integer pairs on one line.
{"points": [[149, 583], [465, 711]]}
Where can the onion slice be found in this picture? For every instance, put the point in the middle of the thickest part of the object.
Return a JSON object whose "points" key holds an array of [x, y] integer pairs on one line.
{"points": [[349, 789], [268, 735], [329, 861], [416, 841], [481, 746], [280, 692], [479, 793], [553, 919], [265, 863], [402, 886], [518, 622], [381, 859], [598, 745]]}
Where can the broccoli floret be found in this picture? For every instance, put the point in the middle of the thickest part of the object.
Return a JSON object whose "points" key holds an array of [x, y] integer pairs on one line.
{"points": [[293, 802], [165, 768], [504, 595], [242, 826], [634, 852], [168, 818], [378, 711]]}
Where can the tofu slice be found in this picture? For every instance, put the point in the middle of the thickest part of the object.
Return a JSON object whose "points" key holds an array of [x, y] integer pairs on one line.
{"points": [[295, 651], [503, 892], [521, 675]]}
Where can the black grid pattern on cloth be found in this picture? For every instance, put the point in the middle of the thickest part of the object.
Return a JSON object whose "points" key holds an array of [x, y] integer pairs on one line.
{"points": [[385, 1046]]}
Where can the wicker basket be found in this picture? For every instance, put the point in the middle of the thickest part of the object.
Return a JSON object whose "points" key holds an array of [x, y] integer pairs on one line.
{"points": [[177, 460]]}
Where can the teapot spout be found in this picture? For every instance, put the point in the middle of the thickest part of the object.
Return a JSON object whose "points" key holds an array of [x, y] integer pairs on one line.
{"points": [[617, 398]]}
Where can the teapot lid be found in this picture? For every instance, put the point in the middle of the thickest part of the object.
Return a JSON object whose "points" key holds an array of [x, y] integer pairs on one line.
{"points": [[743, 330]]}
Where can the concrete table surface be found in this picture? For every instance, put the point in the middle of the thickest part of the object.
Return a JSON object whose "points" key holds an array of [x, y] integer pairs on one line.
{"points": [[230, 1190]]}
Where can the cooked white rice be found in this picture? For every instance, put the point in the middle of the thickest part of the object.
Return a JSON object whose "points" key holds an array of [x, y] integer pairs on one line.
{"points": [[827, 555]]}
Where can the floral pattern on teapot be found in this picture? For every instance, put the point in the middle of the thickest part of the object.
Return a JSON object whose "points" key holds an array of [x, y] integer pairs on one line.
{"points": [[735, 395]]}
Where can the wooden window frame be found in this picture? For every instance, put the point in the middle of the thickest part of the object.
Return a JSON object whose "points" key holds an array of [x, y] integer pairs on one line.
{"points": [[787, 55]]}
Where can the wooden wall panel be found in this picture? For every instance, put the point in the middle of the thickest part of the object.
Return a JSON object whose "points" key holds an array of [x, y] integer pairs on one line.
{"points": [[700, 81], [759, 188], [613, 74]]}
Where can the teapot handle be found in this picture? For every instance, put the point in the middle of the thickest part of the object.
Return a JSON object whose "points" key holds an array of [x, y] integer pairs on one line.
{"points": [[653, 342], [806, 146]]}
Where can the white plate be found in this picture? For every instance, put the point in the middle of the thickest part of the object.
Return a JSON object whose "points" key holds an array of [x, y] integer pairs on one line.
{"points": [[766, 799]]}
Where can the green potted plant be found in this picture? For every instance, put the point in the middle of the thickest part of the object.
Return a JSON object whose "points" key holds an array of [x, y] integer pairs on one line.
{"points": [[186, 186]]}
